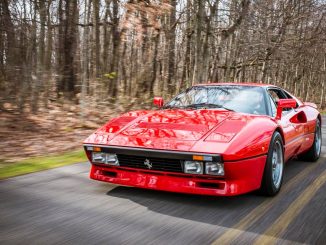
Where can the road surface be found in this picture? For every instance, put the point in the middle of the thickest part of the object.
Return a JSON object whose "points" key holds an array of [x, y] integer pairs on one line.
{"points": [[64, 206]]}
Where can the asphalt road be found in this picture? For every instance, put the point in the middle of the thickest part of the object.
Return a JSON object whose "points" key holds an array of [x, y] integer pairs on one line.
{"points": [[63, 206]]}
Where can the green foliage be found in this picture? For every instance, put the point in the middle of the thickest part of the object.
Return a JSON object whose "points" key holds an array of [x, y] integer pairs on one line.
{"points": [[111, 75], [35, 164]]}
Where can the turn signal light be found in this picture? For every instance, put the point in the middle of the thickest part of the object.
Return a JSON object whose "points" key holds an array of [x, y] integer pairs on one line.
{"points": [[97, 149], [197, 158]]}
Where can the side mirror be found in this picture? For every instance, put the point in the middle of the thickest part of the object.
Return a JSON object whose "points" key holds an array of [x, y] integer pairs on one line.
{"points": [[284, 104], [158, 101]]}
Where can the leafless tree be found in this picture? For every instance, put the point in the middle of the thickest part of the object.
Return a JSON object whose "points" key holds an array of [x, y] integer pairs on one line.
{"points": [[113, 49]]}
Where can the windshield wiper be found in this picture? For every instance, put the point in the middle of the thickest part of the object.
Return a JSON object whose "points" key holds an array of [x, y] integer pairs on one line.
{"points": [[197, 106], [225, 108], [171, 107], [207, 105]]}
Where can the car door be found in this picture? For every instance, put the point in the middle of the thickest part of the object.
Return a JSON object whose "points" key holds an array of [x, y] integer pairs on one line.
{"points": [[293, 130]]}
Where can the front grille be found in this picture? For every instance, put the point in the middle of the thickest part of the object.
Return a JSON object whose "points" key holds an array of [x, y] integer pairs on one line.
{"points": [[158, 164]]}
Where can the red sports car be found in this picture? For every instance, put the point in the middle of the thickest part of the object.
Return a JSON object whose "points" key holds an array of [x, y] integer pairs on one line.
{"points": [[212, 139]]}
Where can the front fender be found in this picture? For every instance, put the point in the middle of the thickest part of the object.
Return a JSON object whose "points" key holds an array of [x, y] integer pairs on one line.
{"points": [[253, 140], [238, 138]]}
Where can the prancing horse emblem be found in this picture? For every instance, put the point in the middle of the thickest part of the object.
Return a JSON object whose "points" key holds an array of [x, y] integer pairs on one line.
{"points": [[148, 163]]}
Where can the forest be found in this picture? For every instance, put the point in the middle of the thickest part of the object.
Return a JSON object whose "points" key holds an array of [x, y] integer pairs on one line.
{"points": [[108, 51]]}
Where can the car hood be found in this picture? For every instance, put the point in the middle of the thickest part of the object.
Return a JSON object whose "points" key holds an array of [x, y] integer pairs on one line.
{"points": [[161, 129]]}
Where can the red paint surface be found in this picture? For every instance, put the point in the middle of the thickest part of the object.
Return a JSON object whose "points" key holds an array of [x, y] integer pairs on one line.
{"points": [[236, 136], [241, 177]]}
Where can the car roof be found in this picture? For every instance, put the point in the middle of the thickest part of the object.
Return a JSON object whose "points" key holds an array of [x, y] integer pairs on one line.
{"points": [[236, 84]]}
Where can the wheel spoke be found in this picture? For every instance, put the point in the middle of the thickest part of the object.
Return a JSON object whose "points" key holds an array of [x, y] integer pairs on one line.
{"points": [[318, 139], [277, 164]]}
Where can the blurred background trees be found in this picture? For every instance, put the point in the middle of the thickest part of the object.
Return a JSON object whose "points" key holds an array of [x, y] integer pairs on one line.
{"points": [[115, 50]]}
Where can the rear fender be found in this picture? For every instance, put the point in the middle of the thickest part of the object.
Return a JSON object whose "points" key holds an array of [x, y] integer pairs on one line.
{"points": [[313, 105]]}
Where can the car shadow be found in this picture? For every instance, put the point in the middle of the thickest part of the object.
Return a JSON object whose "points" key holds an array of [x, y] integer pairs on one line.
{"points": [[223, 211]]}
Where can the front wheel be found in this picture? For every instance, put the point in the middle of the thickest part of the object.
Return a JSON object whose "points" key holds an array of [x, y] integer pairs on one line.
{"points": [[313, 153], [273, 173]]}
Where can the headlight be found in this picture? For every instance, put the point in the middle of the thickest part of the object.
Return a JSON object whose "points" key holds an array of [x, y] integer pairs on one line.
{"points": [[112, 159], [214, 168], [193, 167], [197, 167], [99, 157], [106, 158]]}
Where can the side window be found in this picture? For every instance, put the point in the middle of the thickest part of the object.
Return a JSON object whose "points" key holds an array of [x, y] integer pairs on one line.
{"points": [[276, 95], [273, 106]]}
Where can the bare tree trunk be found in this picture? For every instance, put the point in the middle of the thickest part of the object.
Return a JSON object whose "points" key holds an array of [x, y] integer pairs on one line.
{"points": [[154, 64], [37, 59], [48, 56], [84, 63], [113, 88], [185, 80], [60, 49], [106, 39], [197, 77], [11, 59], [68, 79], [171, 48], [96, 40]]}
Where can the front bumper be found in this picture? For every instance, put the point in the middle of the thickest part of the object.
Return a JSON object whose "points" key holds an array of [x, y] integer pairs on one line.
{"points": [[240, 177]]}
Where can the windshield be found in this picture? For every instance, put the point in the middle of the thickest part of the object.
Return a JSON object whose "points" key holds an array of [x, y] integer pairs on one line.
{"points": [[246, 99]]}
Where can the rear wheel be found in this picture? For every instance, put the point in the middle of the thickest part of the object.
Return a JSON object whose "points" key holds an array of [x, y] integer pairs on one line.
{"points": [[313, 153], [273, 173]]}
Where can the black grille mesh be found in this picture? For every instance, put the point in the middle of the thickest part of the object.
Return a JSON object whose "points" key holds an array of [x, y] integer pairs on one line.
{"points": [[158, 164]]}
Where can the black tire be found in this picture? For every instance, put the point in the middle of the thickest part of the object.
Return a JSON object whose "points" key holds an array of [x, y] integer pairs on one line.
{"points": [[268, 186], [313, 154]]}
